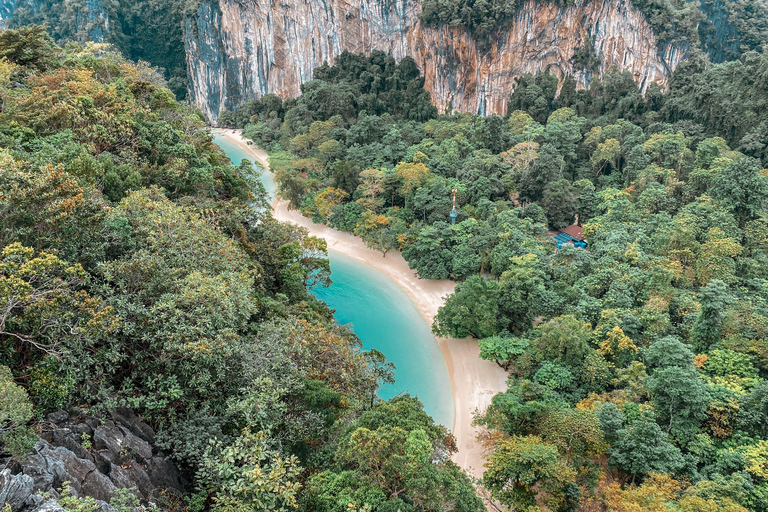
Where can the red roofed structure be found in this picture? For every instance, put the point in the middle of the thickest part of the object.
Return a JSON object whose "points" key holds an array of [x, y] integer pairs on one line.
{"points": [[574, 231]]}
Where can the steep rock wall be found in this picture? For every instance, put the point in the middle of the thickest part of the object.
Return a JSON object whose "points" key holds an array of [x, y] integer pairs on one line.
{"points": [[81, 20], [241, 49]]}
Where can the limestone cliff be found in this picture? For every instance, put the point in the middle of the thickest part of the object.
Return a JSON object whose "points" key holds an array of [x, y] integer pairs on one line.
{"points": [[82, 20], [241, 49]]}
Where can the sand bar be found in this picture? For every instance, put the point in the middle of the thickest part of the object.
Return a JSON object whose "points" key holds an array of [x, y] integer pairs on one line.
{"points": [[473, 381]]}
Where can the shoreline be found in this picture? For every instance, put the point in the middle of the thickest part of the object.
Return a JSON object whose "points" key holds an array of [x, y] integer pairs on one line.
{"points": [[473, 381]]}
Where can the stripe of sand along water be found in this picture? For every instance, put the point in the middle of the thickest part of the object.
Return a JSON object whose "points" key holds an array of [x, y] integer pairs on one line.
{"points": [[391, 310]]}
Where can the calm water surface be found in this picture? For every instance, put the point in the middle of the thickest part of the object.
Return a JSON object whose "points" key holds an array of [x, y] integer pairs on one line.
{"points": [[384, 318]]}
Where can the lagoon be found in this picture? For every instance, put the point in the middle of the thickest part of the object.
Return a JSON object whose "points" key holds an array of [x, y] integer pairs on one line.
{"points": [[384, 318]]}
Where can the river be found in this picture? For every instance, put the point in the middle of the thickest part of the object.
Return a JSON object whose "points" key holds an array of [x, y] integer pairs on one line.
{"points": [[384, 318]]}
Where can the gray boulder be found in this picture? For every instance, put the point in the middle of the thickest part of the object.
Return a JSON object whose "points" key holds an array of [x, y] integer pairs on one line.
{"points": [[122, 457], [15, 490], [165, 474], [132, 422], [104, 507], [47, 472], [117, 443], [50, 467], [131, 475], [97, 485], [50, 506], [69, 440]]}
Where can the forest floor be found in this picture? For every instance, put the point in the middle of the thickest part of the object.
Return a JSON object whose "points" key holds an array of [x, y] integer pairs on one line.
{"points": [[473, 381]]}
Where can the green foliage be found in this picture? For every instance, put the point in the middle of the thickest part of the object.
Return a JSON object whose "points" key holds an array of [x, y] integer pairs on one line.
{"points": [[586, 57], [19, 442], [15, 412], [15, 409], [679, 397], [482, 19], [395, 456], [473, 310], [742, 189], [645, 448], [50, 386], [671, 20], [502, 349], [714, 298], [554, 376], [564, 340], [725, 362], [140, 268], [125, 500], [522, 468], [148, 30], [71, 502], [559, 204], [247, 475], [28, 46]]}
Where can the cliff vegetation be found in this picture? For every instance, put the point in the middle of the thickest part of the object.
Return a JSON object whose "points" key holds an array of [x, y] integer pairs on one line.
{"points": [[148, 30]]}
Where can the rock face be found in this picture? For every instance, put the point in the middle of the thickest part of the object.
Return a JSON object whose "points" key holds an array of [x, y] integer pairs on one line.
{"points": [[91, 18], [242, 49], [120, 456]]}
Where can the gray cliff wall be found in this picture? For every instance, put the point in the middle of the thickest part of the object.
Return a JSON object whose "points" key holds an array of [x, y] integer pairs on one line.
{"points": [[241, 49]]}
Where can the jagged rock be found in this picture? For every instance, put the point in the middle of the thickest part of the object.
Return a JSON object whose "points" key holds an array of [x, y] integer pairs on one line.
{"points": [[165, 474], [132, 422], [51, 467], [117, 443], [121, 458], [97, 486], [131, 475], [15, 490], [66, 438], [34, 501], [81, 428], [50, 506], [45, 471]]}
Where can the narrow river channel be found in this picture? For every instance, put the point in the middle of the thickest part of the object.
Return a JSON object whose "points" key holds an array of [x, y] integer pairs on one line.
{"points": [[384, 318]]}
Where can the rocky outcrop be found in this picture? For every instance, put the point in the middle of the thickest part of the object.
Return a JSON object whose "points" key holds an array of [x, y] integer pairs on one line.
{"points": [[241, 49], [118, 454]]}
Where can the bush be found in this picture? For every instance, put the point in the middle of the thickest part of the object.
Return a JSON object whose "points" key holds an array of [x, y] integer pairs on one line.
{"points": [[15, 409], [49, 387], [20, 441]]}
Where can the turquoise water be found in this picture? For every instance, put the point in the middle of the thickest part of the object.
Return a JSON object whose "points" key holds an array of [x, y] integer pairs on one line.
{"points": [[384, 318], [237, 155]]}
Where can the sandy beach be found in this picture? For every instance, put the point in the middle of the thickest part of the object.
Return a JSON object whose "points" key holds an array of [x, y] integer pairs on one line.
{"points": [[473, 381]]}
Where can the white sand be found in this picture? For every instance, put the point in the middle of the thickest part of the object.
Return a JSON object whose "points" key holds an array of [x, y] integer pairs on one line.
{"points": [[473, 381]]}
